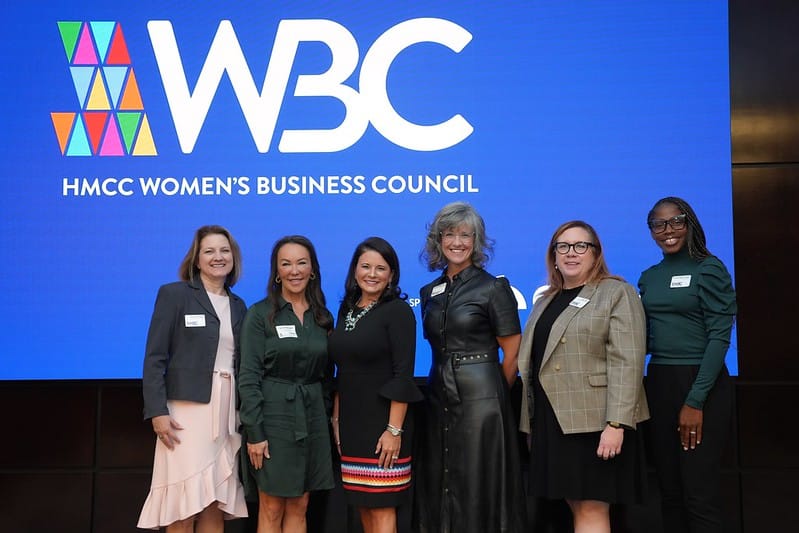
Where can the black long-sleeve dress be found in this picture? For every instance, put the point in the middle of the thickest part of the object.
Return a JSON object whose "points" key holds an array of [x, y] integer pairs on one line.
{"points": [[468, 446], [375, 367]]}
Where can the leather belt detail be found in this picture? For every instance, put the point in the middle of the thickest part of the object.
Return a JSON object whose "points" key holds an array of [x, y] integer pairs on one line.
{"points": [[450, 368]]}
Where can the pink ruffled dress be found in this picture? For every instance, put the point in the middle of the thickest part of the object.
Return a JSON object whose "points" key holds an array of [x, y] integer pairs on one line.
{"points": [[202, 469]]}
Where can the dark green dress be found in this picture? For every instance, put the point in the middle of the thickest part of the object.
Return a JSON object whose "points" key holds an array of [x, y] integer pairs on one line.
{"points": [[282, 400]]}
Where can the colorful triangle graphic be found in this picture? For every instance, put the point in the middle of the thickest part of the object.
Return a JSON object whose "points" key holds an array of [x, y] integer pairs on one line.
{"points": [[128, 123], [98, 97], [144, 142], [79, 143], [131, 97], [81, 79], [85, 54], [118, 54], [112, 144], [69, 36], [62, 122], [102, 35], [114, 79], [95, 123], [97, 130]]}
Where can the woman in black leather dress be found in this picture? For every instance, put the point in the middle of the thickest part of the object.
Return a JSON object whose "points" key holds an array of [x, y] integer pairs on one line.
{"points": [[469, 477]]}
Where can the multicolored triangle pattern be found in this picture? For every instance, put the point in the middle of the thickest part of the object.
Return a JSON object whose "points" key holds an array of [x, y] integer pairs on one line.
{"points": [[112, 120]]}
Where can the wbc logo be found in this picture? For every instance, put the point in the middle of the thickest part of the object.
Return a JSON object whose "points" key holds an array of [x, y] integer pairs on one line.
{"points": [[111, 120]]}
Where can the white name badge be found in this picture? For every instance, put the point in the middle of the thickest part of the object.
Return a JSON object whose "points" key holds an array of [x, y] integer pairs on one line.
{"points": [[678, 282], [286, 332], [194, 321], [579, 302], [438, 289]]}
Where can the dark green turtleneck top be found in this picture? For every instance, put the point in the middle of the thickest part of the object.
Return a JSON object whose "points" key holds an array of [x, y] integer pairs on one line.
{"points": [[690, 308]]}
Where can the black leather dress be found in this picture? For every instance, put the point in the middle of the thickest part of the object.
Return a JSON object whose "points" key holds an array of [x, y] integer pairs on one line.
{"points": [[469, 478]]}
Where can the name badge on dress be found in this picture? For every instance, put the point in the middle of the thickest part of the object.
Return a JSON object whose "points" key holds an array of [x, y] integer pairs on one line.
{"points": [[579, 302], [438, 289], [194, 321], [286, 332], [678, 282]]}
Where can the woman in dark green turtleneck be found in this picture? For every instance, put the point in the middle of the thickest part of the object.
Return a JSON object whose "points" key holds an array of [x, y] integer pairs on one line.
{"points": [[690, 308]]}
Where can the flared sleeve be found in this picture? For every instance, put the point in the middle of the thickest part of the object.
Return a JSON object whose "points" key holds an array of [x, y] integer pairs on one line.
{"points": [[401, 329]]}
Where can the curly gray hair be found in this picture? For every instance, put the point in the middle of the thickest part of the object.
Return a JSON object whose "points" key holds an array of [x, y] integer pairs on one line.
{"points": [[449, 217]]}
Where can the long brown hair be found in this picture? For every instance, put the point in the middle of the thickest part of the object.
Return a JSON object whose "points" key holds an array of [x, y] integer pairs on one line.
{"points": [[598, 272]]}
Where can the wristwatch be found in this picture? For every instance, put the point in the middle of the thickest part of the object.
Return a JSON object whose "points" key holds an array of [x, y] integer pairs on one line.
{"points": [[614, 425]]}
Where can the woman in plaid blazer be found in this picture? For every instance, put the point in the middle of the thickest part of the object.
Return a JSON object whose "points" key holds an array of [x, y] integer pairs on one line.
{"points": [[581, 361]]}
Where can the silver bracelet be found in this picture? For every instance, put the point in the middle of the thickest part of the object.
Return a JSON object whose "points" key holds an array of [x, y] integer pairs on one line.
{"points": [[395, 431]]}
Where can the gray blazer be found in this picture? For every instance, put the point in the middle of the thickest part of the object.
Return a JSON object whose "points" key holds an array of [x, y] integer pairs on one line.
{"points": [[179, 360], [593, 365]]}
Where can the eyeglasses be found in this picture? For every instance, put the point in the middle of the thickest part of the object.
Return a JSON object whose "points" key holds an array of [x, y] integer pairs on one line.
{"points": [[450, 236], [579, 247], [658, 225]]}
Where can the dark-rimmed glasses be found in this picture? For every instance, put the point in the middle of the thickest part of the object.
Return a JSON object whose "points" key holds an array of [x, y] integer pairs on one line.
{"points": [[658, 225], [579, 247]]}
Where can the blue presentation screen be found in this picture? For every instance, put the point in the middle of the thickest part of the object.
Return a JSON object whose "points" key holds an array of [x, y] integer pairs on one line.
{"points": [[128, 125]]}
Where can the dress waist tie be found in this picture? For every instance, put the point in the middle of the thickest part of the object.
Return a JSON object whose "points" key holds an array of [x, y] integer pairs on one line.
{"points": [[303, 390], [225, 384]]}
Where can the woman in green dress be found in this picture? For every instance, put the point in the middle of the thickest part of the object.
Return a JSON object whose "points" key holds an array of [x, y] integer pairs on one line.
{"points": [[283, 363]]}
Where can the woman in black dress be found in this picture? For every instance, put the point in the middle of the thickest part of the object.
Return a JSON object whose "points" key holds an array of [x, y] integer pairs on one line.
{"points": [[374, 348], [471, 481], [582, 362]]}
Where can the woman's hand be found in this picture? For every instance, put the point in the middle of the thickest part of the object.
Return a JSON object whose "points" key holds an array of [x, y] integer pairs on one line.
{"points": [[388, 448], [610, 442], [336, 433], [690, 427], [166, 429], [257, 452]]}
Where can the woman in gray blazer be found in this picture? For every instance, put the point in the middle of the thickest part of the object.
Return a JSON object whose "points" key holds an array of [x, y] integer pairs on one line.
{"points": [[581, 361], [189, 390]]}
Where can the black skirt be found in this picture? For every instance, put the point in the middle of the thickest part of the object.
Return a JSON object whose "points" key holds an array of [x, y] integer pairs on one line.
{"points": [[566, 466]]}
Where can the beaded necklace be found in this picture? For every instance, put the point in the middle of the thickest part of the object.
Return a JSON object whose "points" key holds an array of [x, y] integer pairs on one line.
{"points": [[350, 321]]}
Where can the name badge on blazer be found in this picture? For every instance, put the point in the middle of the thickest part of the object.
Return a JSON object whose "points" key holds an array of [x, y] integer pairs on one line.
{"points": [[286, 332], [679, 282], [194, 321], [438, 289], [579, 302]]}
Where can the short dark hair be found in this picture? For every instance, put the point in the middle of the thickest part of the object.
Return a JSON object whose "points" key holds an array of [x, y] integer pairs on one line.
{"points": [[313, 291], [695, 241], [352, 292], [188, 269]]}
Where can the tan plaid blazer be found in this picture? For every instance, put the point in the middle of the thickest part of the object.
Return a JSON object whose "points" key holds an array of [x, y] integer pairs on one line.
{"points": [[593, 365]]}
